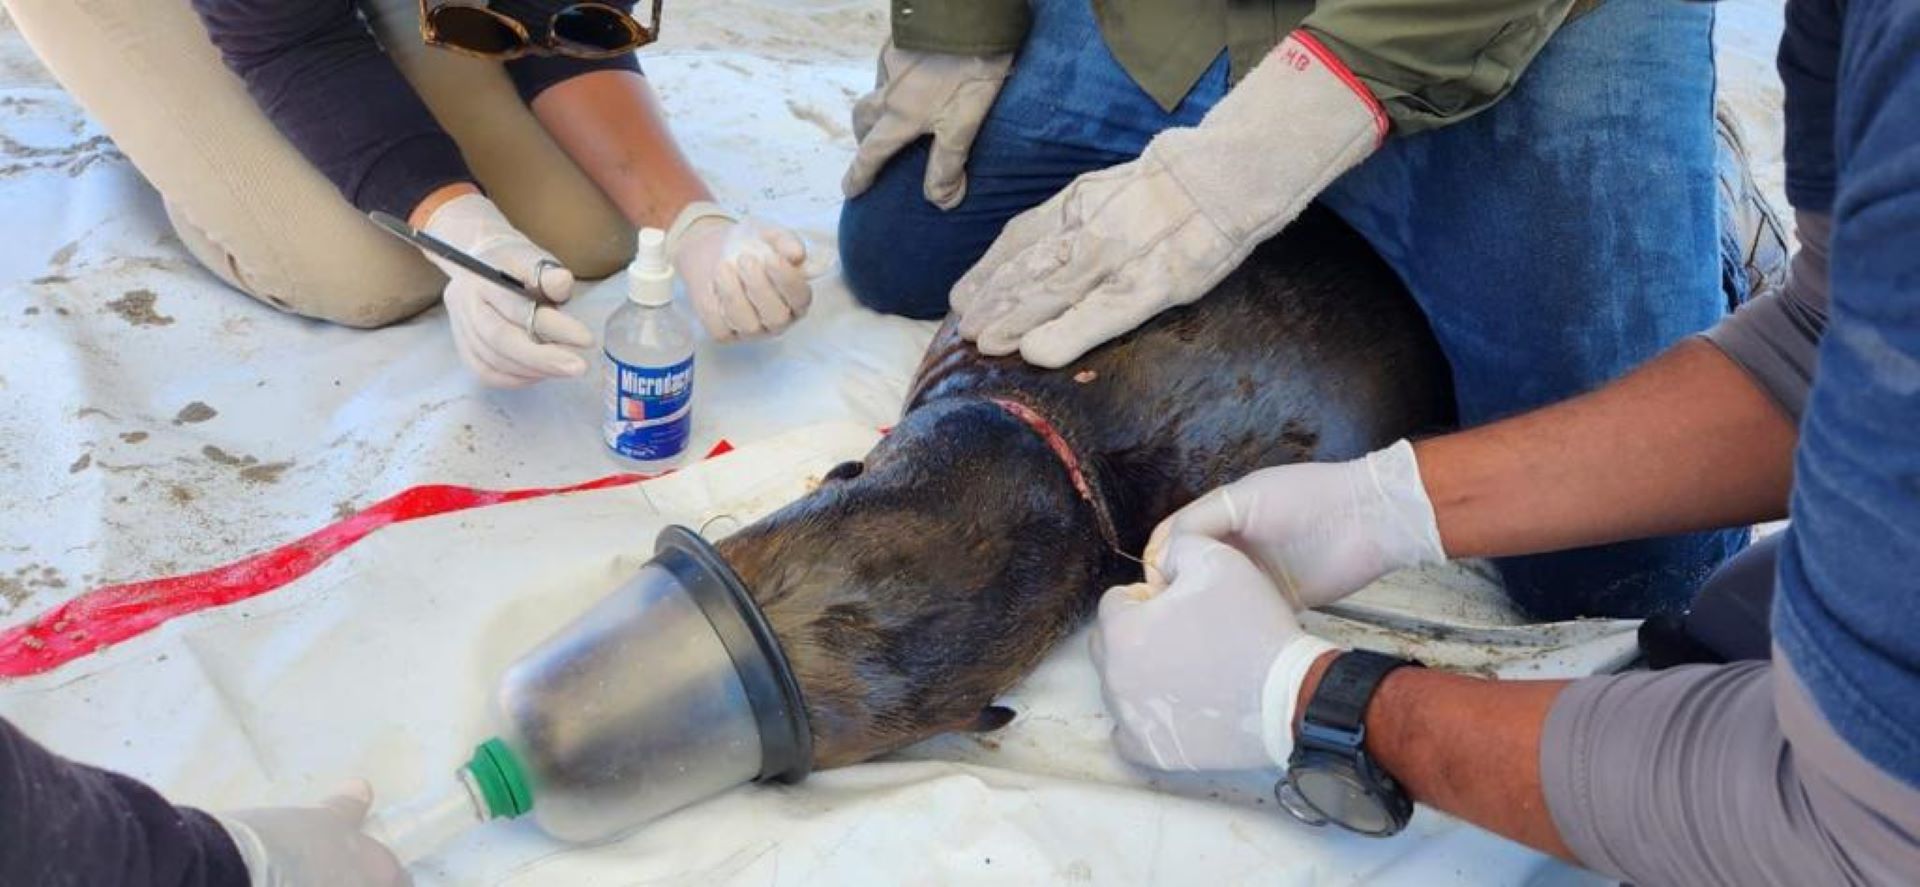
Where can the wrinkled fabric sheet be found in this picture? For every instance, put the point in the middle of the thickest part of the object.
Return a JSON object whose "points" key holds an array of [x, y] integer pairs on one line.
{"points": [[155, 423]]}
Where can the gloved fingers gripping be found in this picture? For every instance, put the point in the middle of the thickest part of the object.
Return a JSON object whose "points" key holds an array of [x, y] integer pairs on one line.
{"points": [[889, 135], [789, 279], [555, 282], [560, 328], [1216, 515], [785, 269], [551, 325], [466, 343], [509, 348], [731, 292], [491, 373], [763, 293], [786, 244], [706, 304], [794, 287], [524, 260]]}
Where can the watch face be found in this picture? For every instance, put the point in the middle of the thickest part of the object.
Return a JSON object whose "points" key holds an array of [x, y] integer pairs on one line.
{"points": [[1341, 798]]}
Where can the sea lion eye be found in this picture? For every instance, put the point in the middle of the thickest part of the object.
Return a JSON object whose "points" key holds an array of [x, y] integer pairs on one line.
{"points": [[846, 471]]}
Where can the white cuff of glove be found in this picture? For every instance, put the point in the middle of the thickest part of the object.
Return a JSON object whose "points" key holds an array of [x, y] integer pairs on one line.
{"points": [[1280, 698], [692, 213]]}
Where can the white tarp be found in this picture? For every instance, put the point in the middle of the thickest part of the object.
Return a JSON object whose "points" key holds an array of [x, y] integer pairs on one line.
{"points": [[153, 423]]}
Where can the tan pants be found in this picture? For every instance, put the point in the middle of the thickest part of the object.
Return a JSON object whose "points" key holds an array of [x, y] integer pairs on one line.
{"points": [[251, 209]]}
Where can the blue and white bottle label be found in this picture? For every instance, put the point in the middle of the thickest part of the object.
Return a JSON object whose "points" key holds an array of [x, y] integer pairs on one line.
{"points": [[649, 410]]}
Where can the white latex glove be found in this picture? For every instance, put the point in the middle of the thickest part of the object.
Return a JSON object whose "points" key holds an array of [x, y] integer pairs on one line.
{"points": [[1321, 530], [314, 846], [745, 277], [490, 322], [1120, 245], [1205, 672], [925, 93]]}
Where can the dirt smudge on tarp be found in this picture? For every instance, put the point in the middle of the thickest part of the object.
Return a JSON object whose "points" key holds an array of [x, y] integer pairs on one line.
{"points": [[194, 413], [17, 588], [137, 307], [222, 457], [251, 469], [265, 474]]}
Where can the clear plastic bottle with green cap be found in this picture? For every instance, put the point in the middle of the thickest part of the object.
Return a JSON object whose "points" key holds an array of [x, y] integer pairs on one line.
{"points": [[670, 690], [492, 785]]}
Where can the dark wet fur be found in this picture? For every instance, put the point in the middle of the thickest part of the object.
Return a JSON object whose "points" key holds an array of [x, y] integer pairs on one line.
{"points": [[912, 590]]}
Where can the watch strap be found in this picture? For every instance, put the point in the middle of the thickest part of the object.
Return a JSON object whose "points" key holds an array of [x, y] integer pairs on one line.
{"points": [[1340, 701]]}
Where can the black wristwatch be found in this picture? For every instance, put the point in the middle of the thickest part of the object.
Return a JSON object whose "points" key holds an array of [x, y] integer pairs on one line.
{"points": [[1330, 777]]}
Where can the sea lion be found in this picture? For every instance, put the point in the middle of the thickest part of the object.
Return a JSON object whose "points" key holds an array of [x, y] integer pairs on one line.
{"points": [[913, 588]]}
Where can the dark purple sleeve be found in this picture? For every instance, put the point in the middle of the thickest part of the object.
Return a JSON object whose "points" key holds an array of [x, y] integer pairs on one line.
{"points": [[315, 69], [63, 823]]}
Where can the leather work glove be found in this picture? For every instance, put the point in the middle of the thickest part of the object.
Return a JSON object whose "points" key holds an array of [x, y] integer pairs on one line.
{"points": [[1203, 672], [745, 277], [1120, 245], [490, 327], [1319, 530], [925, 93], [314, 846]]}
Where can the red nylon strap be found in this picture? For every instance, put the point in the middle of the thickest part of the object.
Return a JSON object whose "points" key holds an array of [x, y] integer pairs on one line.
{"points": [[108, 615]]}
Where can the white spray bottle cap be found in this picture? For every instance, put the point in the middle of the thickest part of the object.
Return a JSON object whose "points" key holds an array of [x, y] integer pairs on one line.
{"points": [[650, 277]]}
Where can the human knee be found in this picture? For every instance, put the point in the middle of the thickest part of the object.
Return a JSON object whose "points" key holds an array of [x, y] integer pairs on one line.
{"points": [[364, 288], [880, 272], [594, 243]]}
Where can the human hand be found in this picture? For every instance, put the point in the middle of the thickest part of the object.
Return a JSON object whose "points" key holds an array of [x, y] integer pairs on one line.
{"points": [[319, 846], [1320, 530], [489, 322], [744, 277], [918, 94], [1120, 245], [1203, 672]]}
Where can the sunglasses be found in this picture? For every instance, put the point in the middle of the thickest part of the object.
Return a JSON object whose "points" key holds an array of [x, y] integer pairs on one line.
{"points": [[579, 30]]}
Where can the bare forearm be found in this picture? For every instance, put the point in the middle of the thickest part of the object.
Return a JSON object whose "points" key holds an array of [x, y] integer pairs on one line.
{"points": [[610, 123], [1687, 442], [1466, 746]]}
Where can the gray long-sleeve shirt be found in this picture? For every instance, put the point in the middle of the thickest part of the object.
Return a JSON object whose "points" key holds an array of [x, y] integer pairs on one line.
{"points": [[1776, 337], [1729, 775]]}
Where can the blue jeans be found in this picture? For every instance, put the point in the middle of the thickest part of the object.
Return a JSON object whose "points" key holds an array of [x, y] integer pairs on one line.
{"points": [[1555, 241]]}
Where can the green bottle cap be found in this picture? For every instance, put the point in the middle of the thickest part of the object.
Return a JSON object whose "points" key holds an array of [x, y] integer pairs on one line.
{"points": [[502, 780]]}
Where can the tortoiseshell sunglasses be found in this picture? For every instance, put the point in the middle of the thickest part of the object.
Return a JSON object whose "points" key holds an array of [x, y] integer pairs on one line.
{"points": [[578, 30]]}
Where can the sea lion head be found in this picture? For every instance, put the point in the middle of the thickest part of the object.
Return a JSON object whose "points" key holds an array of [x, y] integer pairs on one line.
{"points": [[911, 589]]}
